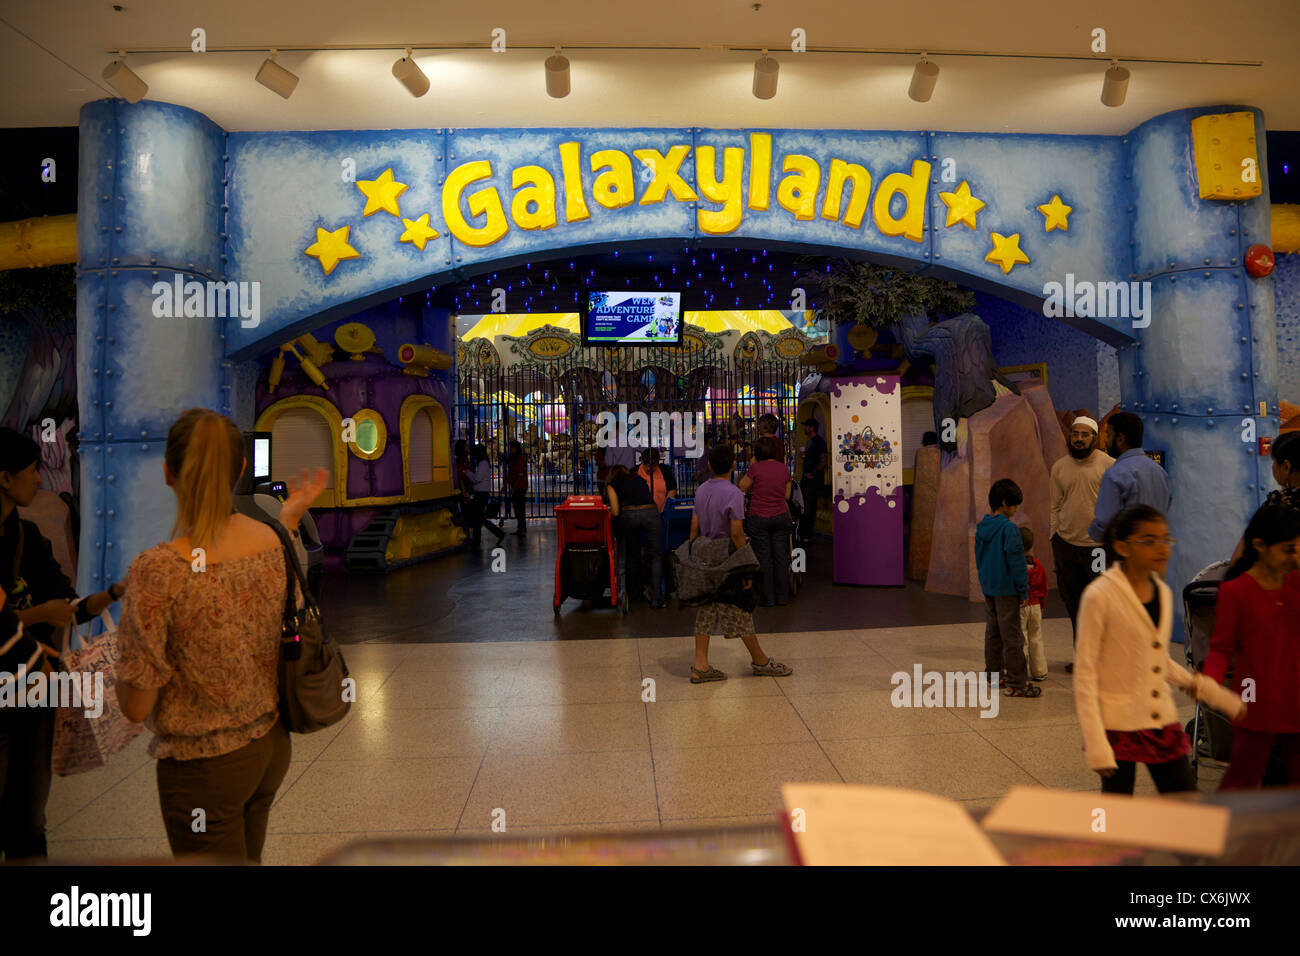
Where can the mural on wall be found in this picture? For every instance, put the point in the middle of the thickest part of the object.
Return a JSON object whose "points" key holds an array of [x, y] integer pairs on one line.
{"points": [[866, 435], [39, 397]]}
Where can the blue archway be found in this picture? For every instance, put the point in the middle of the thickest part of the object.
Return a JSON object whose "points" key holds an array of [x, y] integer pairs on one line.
{"points": [[326, 223]]}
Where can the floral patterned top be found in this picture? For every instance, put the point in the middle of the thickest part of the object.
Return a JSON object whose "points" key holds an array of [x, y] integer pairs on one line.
{"points": [[210, 642]]}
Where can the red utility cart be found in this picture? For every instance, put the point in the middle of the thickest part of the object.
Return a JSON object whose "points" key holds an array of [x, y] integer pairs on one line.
{"points": [[587, 560]]}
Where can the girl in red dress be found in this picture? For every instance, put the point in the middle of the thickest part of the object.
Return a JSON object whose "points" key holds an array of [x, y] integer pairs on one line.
{"points": [[1257, 637]]}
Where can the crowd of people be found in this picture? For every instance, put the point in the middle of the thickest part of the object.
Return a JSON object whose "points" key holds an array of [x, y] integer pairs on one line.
{"points": [[1111, 547], [200, 652]]}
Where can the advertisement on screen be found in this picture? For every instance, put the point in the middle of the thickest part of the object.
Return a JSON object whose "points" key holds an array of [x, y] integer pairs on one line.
{"points": [[632, 318]]}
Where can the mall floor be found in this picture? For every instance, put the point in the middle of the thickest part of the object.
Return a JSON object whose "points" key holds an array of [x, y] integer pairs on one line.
{"points": [[473, 698]]}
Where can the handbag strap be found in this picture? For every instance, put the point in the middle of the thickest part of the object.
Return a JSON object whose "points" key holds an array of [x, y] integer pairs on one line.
{"points": [[292, 572]]}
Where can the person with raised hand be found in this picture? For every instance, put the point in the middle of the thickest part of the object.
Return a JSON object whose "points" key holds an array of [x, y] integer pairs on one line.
{"points": [[200, 646]]}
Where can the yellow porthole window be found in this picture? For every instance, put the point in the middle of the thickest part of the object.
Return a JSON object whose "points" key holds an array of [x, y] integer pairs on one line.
{"points": [[369, 435]]}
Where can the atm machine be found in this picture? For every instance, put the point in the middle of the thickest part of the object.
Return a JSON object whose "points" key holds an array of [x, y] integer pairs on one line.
{"points": [[260, 498]]}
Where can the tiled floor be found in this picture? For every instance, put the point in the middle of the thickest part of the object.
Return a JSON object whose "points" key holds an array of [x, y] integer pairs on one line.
{"points": [[557, 735]]}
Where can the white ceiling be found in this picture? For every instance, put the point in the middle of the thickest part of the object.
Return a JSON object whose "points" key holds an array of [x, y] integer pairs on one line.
{"points": [[52, 54]]}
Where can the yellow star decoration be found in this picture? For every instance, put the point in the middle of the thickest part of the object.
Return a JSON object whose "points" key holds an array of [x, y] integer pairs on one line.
{"points": [[1006, 251], [382, 193], [962, 206], [418, 231], [331, 248], [1055, 213]]}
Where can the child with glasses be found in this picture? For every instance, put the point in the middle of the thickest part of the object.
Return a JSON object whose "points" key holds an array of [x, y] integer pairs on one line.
{"points": [[1122, 667]]}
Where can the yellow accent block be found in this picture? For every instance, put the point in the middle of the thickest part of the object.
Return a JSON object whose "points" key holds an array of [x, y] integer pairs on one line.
{"points": [[1286, 228], [419, 534], [1227, 162]]}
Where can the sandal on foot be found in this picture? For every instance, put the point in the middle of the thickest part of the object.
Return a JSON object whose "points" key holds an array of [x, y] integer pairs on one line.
{"points": [[703, 677], [771, 669], [1026, 691]]}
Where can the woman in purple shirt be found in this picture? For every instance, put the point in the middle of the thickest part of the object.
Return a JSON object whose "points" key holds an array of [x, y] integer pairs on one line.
{"points": [[720, 513], [767, 482]]}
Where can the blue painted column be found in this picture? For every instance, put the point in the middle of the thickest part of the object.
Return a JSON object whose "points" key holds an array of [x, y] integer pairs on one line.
{"points": [[1197, 374], [149, 209]]}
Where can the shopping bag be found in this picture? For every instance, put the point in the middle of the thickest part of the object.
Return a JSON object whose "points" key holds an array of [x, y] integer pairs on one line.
{"points": [[81, 742]]}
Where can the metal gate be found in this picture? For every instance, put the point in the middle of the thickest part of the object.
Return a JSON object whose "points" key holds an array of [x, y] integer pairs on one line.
{"points": [[553, 409]]}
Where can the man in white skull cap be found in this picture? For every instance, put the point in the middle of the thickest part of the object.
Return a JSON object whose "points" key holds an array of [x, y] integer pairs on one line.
{"points": [[1076, 479]]}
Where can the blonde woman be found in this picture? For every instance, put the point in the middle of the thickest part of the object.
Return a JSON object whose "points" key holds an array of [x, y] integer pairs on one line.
{"points": [[200, 645]]}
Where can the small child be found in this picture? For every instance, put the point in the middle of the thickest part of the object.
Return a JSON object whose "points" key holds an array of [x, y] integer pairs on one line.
{"points": [[1122, 669], [1031, 614], [1257, 636], [1004, 579]]}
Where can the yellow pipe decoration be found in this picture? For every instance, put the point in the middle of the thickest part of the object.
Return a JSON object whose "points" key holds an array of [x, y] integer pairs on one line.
{"points": [[35, 243]]}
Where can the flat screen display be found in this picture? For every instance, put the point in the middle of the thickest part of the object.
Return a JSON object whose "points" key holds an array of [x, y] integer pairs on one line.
{"points": [[261, 458], [257, 462], [627, 317]]}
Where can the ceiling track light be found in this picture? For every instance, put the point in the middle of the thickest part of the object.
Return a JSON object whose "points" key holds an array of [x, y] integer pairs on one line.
{"points": [[766, 70], [121, 78], [1114, 88], [924, 76], [557, 75], [410, 75], [276, 78]]}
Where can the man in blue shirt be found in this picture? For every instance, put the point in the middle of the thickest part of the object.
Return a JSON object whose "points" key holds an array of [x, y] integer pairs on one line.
{"points": [[1134, 479]]}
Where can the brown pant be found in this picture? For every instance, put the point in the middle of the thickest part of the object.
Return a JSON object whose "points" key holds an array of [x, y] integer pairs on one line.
{"points": [[235, 792]]}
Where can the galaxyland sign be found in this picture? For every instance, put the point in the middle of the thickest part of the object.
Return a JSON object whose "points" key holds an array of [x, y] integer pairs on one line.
{"points": [[537, 203]]}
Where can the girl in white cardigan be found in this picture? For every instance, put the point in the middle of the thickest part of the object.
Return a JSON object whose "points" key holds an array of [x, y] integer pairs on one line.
{"points": [[1123, 670]]}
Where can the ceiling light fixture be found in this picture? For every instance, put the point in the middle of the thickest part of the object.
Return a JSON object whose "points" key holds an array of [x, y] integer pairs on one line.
{"points": [[120, 77], [410, 75], [766, 70], [924, 76], [276, 78], [1115, 87], [557, 75]]}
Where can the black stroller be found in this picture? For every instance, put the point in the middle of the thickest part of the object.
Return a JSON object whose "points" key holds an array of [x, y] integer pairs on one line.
{"points": [[1210, 732]]}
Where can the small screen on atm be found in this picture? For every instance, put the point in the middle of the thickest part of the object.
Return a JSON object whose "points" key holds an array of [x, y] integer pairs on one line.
{"points": [[261, 458], [257, 462]]}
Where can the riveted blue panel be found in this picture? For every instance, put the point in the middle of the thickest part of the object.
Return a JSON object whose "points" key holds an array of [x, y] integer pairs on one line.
{"points": [[1263, 333], [90, 549], [283, 187], [1173, 227], [96, 179], [92, 313], [1192, 351], [1132, 377], [1013, 176], [155, 367], [167, 203], [139, 508], [1212, 471]]}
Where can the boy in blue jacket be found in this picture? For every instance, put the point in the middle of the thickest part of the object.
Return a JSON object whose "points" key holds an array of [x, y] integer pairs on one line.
{"points": [[1004, 579]]}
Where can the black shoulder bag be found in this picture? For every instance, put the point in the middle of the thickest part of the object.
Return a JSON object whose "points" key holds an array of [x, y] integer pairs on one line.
{"points": [[312, 669]]}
